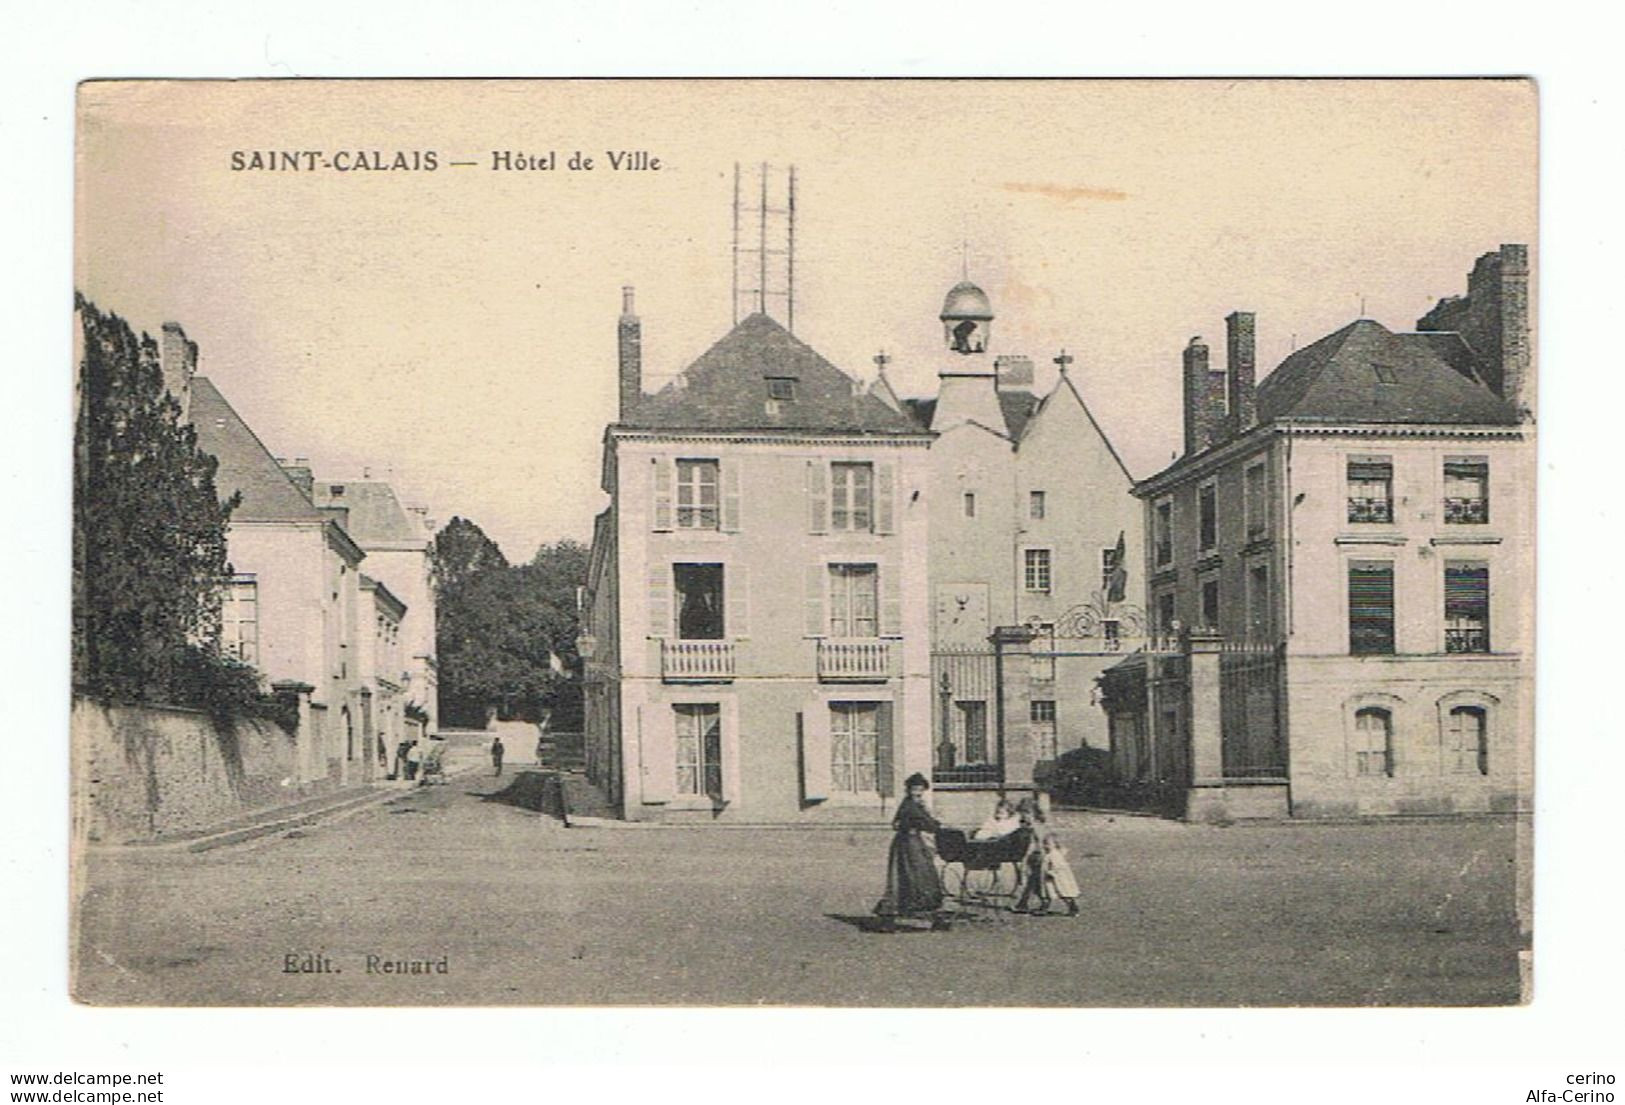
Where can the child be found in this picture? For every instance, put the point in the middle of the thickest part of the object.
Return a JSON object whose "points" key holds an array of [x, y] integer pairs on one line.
{"points": [[1058, 875], [1002, 823]]}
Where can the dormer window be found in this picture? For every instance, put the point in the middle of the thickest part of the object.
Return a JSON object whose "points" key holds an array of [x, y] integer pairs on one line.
{"points": [[781, 389], [1384, 374]]}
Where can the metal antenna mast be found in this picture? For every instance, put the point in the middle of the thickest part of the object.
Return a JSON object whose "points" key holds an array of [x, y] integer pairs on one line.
{"points": [[762, 286]]}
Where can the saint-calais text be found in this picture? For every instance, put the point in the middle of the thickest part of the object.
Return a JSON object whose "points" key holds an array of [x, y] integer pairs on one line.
{"points": [[1573, 1091], [343, 161], [320, 963]]}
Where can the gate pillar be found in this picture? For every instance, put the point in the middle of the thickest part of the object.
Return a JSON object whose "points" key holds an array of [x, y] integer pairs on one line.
{"points": [[1012, 647], [1205, 797]]}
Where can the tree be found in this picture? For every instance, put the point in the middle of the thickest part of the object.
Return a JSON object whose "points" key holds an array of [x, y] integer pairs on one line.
{"points": [[149, 529], [461, 550], [505, 631]]}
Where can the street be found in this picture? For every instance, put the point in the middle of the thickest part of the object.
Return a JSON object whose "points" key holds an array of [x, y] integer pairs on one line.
{"points": [[470, 900]]}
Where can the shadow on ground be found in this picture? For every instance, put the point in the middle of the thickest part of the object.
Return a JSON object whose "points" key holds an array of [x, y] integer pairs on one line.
{"points": [[537, 791]]}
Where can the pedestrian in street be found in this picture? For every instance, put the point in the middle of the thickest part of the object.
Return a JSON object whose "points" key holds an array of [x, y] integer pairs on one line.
{"points": [[1058, 874], [414, 757], [496, 755], [1032, 864], [913, 889]]}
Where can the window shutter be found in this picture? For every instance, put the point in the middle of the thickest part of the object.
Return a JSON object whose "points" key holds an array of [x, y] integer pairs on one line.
{"points": [[891, 602], [659, 600], [885, 485], [657, 752], [736, 595], [730, 496], [662, 494], [730, 751], [885, 759], [815, 752], [814, 600], [817, 497]]}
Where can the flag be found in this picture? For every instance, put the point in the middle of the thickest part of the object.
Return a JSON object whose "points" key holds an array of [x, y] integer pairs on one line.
{"points": [[1117, 586]]}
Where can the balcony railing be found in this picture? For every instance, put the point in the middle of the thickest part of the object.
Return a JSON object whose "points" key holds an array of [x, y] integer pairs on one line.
{"points": [[1467, 511], [1371, 510], [697, 661], [865, 660], [1467, 639]]}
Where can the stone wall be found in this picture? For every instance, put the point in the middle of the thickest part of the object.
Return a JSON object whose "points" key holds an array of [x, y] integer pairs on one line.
{"points": [[151, 771]]}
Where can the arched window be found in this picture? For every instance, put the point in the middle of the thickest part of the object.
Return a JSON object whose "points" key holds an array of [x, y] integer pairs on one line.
{"points": [[1466, 741], [1373, 742]]}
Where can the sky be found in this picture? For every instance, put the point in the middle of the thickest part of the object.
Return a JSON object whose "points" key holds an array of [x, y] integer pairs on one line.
{"points": [[454, 330]]}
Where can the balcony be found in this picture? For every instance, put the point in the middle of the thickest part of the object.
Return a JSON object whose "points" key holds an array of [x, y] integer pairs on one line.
{"points": [[1475, 511], [1467, 639], [857, 660], [1371, 510], [697, 661]]}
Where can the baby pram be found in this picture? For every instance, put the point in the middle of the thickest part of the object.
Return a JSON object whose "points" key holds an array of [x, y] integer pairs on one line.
{"points": [[974, 871], [434, 764]]}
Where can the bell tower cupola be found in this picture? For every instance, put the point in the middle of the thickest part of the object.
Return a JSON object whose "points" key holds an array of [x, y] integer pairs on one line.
{"points": [[967, 319]]}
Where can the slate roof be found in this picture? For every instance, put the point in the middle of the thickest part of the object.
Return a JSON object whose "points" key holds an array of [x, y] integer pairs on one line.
{"points": [[375, 511], [1018, 408], [725, 389], [246, 466], [1336, 379]]}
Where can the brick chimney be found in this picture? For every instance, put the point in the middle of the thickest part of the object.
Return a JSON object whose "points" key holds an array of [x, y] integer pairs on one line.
{"points": [[1241, 369], [1204, 399], [630, 333], [177, 356], [1493, 319], [1013, 373]]}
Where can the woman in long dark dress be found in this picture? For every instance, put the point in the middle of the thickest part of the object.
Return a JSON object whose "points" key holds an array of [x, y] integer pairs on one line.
{"points": [[912, 886]]}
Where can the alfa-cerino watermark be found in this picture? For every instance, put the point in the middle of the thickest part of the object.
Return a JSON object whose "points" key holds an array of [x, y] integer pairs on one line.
{"points": [[1577, 1088]]}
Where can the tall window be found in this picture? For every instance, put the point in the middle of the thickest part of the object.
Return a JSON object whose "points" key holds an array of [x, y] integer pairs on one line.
{"points": [[700, 614], [1207, 516], [1466, 606], [1373, 742], [854, 601], [1164, 533], [1371, 489], [699, 748], [1165, 612], [240, 620], [1258, 602], [854, 743], [697, 494], [1046, 737], [1371, 607], [1466, 741], [1037, 571], [1256, 502], [1035, 504], [973, 730], [1466, 490], [1210, 603], [852, 497], [970, 504]]}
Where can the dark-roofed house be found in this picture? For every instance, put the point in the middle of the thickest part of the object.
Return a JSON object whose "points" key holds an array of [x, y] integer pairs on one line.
{"points": [[754, 629], [1348, 546], [1030, 511], [292, 606]]}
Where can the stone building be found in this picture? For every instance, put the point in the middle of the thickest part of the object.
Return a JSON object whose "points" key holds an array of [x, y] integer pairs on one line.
{"points": [[1348, 549], [1032, 525], [396, 539], [292, 604], [755, 632]]}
